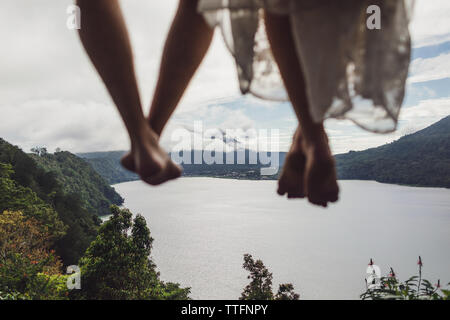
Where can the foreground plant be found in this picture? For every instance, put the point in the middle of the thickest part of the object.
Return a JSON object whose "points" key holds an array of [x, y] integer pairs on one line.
{"points": [[117, 264], [260, 288], [415, 288]]}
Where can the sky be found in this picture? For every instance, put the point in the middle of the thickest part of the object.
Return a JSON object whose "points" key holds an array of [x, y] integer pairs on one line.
{"points": [[50, 95]]}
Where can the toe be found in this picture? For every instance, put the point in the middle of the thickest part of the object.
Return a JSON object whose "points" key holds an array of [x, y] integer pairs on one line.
{"points": [[281, 188], [296, 194], [317, 200], [171, 171], [322, 199], [154, 180], [174, 171], [281, 191], [331, 195]]}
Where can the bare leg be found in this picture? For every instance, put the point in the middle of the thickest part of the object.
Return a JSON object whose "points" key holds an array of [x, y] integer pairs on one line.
{"points": [[187, 43], [292, 176], [105, 38], [310, 142]]}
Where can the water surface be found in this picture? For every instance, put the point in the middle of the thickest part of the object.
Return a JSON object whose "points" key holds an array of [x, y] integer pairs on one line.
{"points": [[203, 226]]}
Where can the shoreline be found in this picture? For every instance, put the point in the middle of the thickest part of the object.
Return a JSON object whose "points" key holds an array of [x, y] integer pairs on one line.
{"points": [[246, 179]]}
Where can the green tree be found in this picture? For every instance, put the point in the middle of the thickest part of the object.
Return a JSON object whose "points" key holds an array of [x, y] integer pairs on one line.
{"points": [[15, 197], [117, 266], [40, 151], [260, 287], [286, 292]]}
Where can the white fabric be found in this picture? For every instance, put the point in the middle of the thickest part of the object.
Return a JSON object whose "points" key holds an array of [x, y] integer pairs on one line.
{"points": [[350, 71]]}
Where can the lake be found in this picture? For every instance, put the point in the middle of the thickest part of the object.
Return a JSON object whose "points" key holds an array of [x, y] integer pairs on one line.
{"points": [[203, 226]]}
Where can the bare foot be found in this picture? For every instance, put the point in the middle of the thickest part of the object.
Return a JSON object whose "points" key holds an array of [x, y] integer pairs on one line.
{"points": [[150, 161], [292, 176], [320, 173], [127, 162]]}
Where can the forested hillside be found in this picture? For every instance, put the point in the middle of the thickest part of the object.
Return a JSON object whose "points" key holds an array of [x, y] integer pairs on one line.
{"points": [[107, 164], [39, 194], [418, 159], [46, 223], [76, 176]]}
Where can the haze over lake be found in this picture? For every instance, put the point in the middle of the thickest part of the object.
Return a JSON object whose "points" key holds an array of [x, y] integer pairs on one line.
{"points": [[203, 226]]}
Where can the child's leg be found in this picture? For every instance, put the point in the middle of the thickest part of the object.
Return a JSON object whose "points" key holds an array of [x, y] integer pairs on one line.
{"points": [[319, 175], [105, 38], [186, 45]]}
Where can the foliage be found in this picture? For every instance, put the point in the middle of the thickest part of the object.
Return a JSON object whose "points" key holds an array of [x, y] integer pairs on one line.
{"points": [[28, 268], [82, 227], [420, 159], [286, 292], [76, 176], [117, 266], [107, 164], [25, 171], [15, 197], [47, 204], [48, 287], [260, 287], [12, 295], [27, 187], [40, 151], [415, 288]]}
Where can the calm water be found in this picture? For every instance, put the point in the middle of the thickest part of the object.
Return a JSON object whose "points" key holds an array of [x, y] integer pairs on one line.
{"points": [[203, 226]]}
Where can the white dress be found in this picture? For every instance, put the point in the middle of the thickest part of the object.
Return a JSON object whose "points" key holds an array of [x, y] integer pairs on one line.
{"points": [[351, 72]]}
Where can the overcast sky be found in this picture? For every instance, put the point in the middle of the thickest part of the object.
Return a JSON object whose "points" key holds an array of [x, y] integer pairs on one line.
{"points": [[50, 95]]}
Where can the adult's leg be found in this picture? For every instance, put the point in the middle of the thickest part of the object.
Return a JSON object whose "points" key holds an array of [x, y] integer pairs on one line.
{"points": [[105, 38], [186, 45], [319, 170]]}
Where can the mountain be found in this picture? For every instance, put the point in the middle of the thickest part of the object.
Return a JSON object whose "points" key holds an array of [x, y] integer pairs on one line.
{"points": [[76, 176], [38, 193], [107, 164], [418, 159]]}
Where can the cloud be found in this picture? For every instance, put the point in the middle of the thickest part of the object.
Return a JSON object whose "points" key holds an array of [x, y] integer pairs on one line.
{"points": [[430, 24], [426, 112], [51, 94], [344, 136], [73, 126], [435, 68], [211, 117]]}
